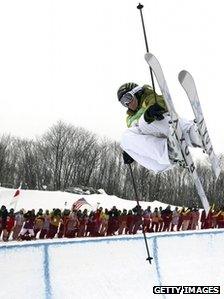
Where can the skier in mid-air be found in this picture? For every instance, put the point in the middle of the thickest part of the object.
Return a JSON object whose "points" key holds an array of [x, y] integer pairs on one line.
{"points": [[148, 139], [156, 136]]}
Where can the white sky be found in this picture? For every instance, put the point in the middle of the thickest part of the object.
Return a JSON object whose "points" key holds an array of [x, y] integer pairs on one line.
{"points": [[64, 60]]}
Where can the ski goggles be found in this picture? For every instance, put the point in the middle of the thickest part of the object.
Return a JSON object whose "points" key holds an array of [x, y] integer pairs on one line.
{"points": [[128, 96]]}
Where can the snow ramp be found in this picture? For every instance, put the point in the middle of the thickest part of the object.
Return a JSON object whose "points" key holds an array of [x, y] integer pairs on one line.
{"points": [[112, 267]]}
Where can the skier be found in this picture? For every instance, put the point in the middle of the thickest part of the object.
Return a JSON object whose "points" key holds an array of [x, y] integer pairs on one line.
{"points": [[147, 139]]}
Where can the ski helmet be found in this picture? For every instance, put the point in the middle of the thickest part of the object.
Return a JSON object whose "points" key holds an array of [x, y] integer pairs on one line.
{"points": [[126, 93], [125, 88]]}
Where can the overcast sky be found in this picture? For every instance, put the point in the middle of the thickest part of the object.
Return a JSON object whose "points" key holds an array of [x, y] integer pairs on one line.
{"points": [[64, 60]]}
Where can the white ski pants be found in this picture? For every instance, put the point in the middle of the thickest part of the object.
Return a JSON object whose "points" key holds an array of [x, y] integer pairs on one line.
{"points": [[147, 143]]}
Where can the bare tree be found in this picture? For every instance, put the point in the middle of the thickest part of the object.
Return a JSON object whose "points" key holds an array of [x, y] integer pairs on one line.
{"points": [[68, 156]]}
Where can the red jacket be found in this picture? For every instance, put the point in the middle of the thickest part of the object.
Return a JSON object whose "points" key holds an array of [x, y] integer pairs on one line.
{"points": [[129, 219], [10, 223]]}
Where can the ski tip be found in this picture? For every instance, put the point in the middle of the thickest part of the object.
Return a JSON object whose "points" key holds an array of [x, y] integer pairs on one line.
{"points": [[182, 76]]}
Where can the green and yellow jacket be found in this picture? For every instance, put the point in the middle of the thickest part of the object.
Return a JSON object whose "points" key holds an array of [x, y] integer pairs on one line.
{"points": [[145, 101]]}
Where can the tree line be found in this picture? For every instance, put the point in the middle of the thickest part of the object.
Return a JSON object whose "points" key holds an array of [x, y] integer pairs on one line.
{"points": [[67, 156]]}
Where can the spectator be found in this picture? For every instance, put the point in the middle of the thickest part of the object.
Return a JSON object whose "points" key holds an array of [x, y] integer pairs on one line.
{"points": [[155, 220], [175, 219], [194, 219], [104, 216], [186, 217], [208, 219], [4, 215], [54, 223], [96, 222], [83, 220], [46, 225], [90, 225], [112, 221], [27, 232], [9, 225], [147, 220], [19, 220], [71, 226], [130, 222], [180, 221], [167, 218], [220, 218], [39, 222], [161, 223], [62, 224], [137, 219], [215, 218], [122, 220], [202, 219]]}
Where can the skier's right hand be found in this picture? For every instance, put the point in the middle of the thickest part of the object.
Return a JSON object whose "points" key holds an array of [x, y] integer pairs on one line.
{"points": [[127, 159]]}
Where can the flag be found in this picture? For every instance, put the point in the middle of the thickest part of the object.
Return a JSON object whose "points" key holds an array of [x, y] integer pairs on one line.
{"points": [[80, 202], [15, 197], [17, 193]]}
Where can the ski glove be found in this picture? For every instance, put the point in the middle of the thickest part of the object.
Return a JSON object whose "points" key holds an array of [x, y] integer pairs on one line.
{"points": [[127, 159], [155, 112]]}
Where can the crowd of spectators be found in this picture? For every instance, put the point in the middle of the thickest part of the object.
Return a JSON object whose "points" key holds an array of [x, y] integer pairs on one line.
{"points": [[30, 225]]}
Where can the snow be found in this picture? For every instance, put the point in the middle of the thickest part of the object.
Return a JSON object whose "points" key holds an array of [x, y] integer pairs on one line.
{"points": [[107, 267], [34, 199], [111, 267]]}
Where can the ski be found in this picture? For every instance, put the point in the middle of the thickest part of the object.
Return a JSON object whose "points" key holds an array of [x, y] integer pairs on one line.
{"points": [[188, 84], [176, 129]]}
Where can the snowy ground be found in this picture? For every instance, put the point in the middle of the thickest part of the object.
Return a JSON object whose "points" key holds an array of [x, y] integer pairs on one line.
{"points": [[112, 267]]}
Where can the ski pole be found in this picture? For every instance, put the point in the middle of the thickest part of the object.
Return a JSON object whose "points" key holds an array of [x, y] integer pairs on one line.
{"points": [[149, 258], [140, 7]]}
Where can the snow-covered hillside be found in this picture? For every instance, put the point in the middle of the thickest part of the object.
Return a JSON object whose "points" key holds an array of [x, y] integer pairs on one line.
{"points": [[33, 199]]}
